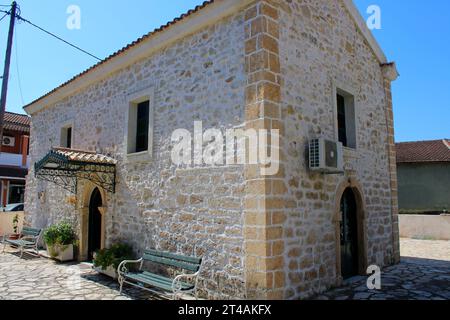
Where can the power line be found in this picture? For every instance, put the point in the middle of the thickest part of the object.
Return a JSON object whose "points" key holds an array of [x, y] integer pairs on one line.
{"points": [[59, 38], [3, 16], [53, 35]]}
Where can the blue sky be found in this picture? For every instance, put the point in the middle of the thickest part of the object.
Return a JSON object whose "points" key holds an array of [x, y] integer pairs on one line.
{"points": [[414, 33]]}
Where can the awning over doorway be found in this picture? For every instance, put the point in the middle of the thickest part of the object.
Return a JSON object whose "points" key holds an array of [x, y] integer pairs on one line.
{"points": [[65, 167]]}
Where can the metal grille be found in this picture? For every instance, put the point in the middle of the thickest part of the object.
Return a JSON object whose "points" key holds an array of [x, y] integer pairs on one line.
{"points": [[314, 153], [60, 170]]}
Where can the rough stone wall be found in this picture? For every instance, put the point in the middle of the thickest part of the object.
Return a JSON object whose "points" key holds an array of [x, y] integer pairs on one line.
{"points": [[320, 45], [156, 204]]}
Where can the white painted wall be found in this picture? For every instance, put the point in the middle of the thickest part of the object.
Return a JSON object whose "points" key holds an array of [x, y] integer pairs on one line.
{"points": [[6, 222], [13, 160], [425, 226]]}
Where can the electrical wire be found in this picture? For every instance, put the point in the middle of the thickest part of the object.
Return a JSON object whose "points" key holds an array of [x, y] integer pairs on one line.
{"points": [[3, 16], [57, 37], [20, 18]]}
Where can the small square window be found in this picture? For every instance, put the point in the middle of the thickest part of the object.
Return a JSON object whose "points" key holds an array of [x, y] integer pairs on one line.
{"points": [[346, 120]]}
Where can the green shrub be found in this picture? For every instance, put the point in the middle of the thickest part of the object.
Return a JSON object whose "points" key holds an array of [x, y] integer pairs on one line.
{"points": [[61, 234], [113, 256]]}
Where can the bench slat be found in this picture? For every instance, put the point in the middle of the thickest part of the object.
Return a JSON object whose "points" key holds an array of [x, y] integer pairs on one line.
{"points": [[156, 280], [172, 262], [162, 278], [20, 242], [174, 256], [140, 279], [27, 231]]}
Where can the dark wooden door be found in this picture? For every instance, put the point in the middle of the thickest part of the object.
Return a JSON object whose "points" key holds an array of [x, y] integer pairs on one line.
{"points": [[95, 224], [349, 235]]}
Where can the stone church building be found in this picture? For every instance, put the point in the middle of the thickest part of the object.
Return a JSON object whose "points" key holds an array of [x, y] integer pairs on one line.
{"points": [[101, 148]]}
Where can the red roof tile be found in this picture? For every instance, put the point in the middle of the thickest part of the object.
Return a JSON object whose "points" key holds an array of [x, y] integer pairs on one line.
{"points": [[423, 151], [16, 122]]}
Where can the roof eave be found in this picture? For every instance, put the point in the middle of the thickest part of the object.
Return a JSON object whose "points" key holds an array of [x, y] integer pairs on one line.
{"points": [[359, 20], [211, 13]]}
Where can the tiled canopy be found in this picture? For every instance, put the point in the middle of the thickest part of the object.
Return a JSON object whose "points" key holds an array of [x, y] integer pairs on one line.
{"points": [[65, 167]]}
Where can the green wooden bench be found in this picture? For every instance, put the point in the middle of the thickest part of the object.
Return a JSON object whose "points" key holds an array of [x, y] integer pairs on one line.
{"points": [[185, 283], [29, 239]]}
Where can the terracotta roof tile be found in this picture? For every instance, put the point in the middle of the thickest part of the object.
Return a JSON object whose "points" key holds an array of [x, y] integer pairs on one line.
{"points": [[423, 151], [17, 122], [129, 46], [85, 156]]}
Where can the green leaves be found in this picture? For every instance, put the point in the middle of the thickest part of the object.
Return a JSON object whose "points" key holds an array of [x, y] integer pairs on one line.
{"points": [[60, 234], [113, 256], [16, 223]]}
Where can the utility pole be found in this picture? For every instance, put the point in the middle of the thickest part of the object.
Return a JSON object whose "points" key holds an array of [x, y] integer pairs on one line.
{"points": [[6, 70]]}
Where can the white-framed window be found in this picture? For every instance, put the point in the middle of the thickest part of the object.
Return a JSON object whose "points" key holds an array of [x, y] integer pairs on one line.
{"points": [[139, 125], [345, 115], [66, 137]]}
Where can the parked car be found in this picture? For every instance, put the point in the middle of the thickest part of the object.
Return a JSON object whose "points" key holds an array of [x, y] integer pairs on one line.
{"points": [[13, 207]]}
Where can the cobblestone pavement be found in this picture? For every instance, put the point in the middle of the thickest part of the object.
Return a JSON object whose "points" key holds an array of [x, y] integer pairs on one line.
{"points": [[423, 274], [35, 278]]}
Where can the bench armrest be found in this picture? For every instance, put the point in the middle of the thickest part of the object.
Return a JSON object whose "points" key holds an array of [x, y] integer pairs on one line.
{"points": [[122, 268], [31, 238], [176, 283]]}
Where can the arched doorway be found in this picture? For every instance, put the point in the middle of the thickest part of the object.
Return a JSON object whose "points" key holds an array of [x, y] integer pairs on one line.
{"points": [[349, 235], [94, 223], [351, 207]]}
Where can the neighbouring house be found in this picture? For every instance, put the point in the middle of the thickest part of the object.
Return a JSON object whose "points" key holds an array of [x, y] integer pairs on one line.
{"points": [[14, 158], [102, 148], [423, 169]]}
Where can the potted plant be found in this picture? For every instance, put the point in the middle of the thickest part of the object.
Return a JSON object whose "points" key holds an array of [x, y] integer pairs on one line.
{"points": [[60, 239], [106, 261], [15, 222]]}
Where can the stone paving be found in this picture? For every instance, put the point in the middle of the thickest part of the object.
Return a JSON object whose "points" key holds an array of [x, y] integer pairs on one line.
{"points": [[423, 274], [35, 278]]}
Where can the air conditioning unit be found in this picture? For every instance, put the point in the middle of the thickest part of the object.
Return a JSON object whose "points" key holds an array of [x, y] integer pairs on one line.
{"points": [[9, 141], [326, 156]]}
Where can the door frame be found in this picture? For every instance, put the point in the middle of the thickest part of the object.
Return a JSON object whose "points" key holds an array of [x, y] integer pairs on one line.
{"points": [[84, 235], [361, 221]]}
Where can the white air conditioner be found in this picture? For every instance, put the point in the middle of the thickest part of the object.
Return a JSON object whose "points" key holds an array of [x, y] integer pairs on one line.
{"points": [[326, 156], [9, 141]]}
